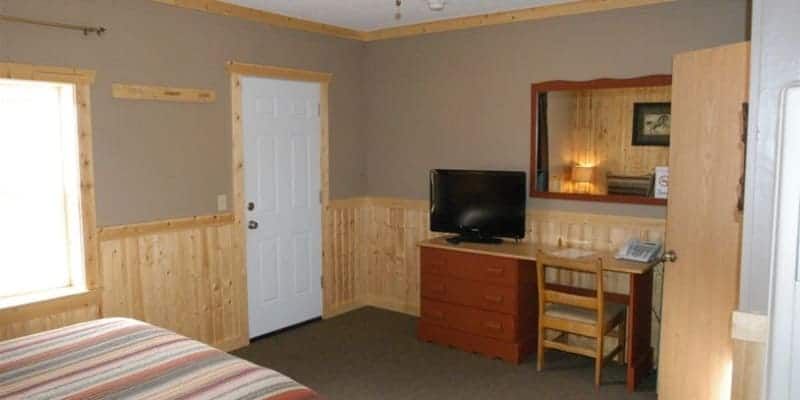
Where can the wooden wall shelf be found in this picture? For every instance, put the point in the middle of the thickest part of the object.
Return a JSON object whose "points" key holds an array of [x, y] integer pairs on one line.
{"points": [[161, 93]]}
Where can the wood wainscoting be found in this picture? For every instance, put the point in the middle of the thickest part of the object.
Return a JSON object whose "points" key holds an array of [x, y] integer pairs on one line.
{"points": [[50, 314], [749, 333], [185, 275], [375, 258]]}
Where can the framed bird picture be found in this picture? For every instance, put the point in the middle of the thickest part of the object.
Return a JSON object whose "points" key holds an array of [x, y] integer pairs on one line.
{"points": [[651, 124]]}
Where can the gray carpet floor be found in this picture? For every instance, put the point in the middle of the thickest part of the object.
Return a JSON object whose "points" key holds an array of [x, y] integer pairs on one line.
{"points": [[374, 354]]}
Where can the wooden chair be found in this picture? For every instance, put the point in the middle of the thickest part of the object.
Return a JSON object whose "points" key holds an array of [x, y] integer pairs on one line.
{"points": [[567, 310]]}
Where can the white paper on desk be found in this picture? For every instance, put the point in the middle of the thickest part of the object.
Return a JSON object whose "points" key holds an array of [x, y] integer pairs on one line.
{"points": [[572, 253]]}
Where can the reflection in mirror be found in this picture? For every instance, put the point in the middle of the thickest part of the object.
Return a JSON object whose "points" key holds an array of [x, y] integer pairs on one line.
{"points": [[602, 141]]}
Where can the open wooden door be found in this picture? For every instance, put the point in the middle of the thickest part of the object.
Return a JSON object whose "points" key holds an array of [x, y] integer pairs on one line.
{"points": [[703, 223]]}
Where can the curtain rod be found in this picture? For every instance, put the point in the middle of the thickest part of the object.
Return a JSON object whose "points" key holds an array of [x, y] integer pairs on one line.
{"points": [[85, 29]]}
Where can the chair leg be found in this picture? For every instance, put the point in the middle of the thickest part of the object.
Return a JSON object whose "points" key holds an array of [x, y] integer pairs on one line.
{"points": [[598, 362], [540, 351], [623, 340]]}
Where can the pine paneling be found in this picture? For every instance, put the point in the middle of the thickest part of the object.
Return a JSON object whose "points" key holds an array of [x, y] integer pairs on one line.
{"points": [[748, 368], [378, 263], [601, 135], [342, 290], [185, 275], [45, 320]]}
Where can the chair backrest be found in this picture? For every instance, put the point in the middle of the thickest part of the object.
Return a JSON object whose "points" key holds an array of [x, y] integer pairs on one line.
{"points": [[567, 295]]}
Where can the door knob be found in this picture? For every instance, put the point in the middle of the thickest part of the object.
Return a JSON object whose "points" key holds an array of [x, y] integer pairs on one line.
{"points": [[252, 225], [669, 256]]}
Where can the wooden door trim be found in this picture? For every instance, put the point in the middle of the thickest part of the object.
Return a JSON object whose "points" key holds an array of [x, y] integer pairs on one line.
{"points": [[237, 71], [274, 72]]}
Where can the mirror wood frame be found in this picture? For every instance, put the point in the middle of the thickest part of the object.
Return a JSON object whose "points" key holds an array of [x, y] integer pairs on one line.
{"points": [[604, 83]]}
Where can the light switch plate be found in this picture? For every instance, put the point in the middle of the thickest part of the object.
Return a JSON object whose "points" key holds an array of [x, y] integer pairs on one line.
{"points": [[222, 202]]}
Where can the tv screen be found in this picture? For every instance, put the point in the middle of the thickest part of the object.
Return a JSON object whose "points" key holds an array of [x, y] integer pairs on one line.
{"points": [[478, 204]]}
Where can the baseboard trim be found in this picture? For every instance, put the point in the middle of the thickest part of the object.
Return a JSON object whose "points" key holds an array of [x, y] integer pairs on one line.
{"points": [[232, 345], [387, 304], [343, 309]]}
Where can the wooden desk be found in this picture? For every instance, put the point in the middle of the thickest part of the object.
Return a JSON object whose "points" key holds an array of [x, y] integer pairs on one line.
{"points": [[639, 300]]}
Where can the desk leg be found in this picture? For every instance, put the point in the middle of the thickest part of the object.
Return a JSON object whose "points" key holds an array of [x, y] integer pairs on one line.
{"points": [[639, 354]]}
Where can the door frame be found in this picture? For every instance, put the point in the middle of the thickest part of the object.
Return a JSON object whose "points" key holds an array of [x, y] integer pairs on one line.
{"points": [[237, 71]]}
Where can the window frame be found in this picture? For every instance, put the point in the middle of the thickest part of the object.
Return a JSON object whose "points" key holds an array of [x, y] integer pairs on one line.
{"points": [[57, 299]]}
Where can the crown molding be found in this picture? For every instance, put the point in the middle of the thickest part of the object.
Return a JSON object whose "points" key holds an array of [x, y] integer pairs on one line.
{"points": [[268, 18], [528, 14], [506, 17]]}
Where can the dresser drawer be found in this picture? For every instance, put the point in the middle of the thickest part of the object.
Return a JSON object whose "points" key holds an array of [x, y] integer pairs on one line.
{"points": [[481, 268], [468, 293], [470, 320], [433, 261]]}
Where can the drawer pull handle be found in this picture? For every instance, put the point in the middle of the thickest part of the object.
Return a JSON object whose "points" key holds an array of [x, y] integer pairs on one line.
{"points": [[495, 270], [495, 326], [493, 298]]}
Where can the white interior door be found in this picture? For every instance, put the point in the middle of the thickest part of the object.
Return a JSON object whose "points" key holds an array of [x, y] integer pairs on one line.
{"points": [[283, 214]]}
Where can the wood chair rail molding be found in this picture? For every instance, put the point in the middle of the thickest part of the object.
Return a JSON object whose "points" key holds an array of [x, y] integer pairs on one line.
{"points": [[602, 83], [154, 227], [475, 21]]}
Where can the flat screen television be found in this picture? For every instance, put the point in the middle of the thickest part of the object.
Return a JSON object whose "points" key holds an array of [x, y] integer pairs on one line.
{"points": [[478, 206]]}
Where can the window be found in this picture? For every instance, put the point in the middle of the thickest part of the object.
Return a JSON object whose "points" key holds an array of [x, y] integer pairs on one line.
{"points": [[41, 229]]}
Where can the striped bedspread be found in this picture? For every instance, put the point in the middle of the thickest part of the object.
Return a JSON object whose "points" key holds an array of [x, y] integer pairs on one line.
{"points": [[122, 358]]}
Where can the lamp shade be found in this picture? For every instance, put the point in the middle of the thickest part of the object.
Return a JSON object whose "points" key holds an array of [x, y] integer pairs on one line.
{"points": [[582, 174]]}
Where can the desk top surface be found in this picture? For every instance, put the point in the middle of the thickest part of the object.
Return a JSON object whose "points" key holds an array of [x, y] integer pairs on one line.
{"points": [[527, 251]]}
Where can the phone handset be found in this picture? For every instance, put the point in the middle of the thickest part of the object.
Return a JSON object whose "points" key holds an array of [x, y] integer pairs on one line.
{"points": [[639, 250]]}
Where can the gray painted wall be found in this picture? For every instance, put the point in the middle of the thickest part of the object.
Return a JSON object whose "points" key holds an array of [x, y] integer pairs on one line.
{"points": [[399, 107], [462, 99], [163, 160]]}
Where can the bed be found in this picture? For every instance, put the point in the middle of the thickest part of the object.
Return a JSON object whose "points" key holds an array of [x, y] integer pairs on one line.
{"points": [[118, 358]]}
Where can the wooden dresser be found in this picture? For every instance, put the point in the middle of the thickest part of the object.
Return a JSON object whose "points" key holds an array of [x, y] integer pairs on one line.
{"points": [[483, 298], [479, 303]]}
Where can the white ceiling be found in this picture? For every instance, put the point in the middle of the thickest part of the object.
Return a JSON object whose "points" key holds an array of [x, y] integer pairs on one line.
{"points": [[369, 15]]}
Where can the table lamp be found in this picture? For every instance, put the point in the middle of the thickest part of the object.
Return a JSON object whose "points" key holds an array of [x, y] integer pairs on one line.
{"points": [[583, 175]]}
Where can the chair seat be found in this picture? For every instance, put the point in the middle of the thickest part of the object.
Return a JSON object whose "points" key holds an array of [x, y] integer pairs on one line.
{"points": [[581, 314]]}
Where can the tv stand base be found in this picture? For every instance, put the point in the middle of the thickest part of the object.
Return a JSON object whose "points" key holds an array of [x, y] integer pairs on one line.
{"points": [[474, 239]]}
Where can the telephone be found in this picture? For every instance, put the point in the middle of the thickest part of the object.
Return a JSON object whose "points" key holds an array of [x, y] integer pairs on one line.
{"points": [[639, 250]]}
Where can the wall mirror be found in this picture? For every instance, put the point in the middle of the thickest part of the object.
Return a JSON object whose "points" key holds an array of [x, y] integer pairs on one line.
{"points": [[602, 140]]}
